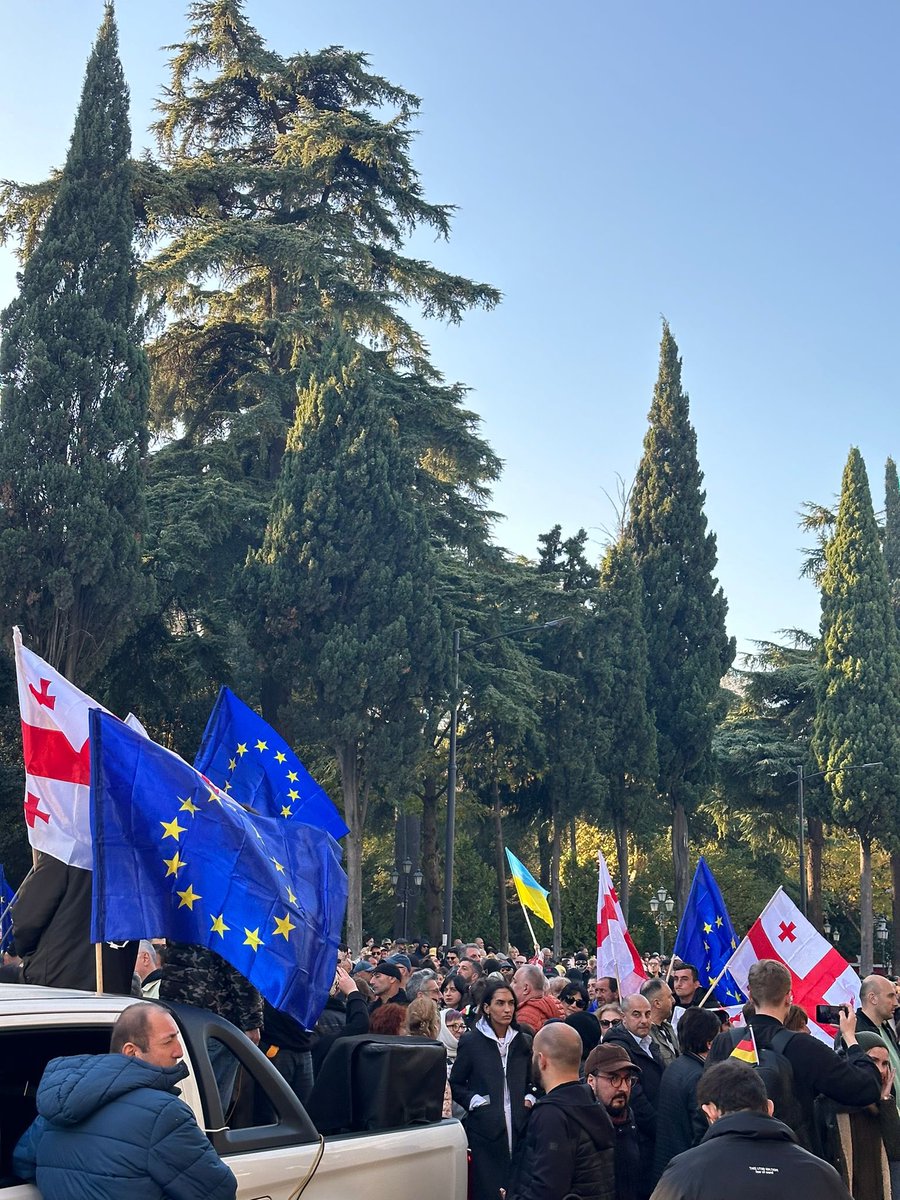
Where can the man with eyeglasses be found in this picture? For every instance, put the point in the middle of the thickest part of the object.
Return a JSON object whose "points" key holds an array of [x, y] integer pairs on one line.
{"points": [[610, 1076]]}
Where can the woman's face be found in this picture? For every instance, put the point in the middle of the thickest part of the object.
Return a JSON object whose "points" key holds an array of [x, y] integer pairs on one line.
{"points": [[457, 1027], [500, 1010], [451, 993], [573, 1003]]}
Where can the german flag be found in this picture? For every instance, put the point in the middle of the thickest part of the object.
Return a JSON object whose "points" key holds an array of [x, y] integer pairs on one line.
{"points": [[745, 1050]]}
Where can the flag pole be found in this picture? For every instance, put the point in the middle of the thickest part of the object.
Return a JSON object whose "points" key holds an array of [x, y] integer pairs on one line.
{"points": [[530, 927], [98, 962], [14, 897]]}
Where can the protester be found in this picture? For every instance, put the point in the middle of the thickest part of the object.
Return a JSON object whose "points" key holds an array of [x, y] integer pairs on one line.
{"points": [[387, 1019], [424, 982], [112, 1125], [148, 969], [864, 1143], [588, 1028], [573, 997], [745, 1154], [679, 1122], [568, 1147], [491, 1079], [535, 1004], [853, 1081], [346, 1014], [455, 991], [608, 1017], [386, 982], [662, 1003], [633, 1035], [611, 1076]]}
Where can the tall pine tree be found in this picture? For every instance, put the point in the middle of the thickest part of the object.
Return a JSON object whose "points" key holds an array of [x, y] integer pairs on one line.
{"points": [[74, 385], [684, 608], [858, 699], [347, 619], [891, 548]]}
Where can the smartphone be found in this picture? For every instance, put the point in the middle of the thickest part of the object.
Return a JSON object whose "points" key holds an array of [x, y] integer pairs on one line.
{"points": [[829, 1014]]}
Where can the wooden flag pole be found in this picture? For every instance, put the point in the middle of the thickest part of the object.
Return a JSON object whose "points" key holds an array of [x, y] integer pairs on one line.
{"points": [[98, 962], [537, 948]]}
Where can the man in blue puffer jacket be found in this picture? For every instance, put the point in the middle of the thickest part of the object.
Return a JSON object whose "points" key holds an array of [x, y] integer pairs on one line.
{"points": [[112, 1125]]}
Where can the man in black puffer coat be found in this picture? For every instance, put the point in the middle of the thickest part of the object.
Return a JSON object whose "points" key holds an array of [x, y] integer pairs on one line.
{"points": [[746, 1154], [679, 1121], [569, 1139]]}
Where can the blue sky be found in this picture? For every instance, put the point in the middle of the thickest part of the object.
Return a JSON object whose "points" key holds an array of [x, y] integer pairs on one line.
{"points": [[731, 167]]}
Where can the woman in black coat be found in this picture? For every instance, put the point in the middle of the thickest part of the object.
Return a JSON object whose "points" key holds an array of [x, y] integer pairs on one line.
{"points": [[490, 1080]]}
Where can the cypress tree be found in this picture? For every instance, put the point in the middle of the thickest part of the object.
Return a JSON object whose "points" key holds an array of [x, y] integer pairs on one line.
{"points": [[891, 547], [344, 592], [684, 608], [630, 764], [74, 393], [858, 698]]}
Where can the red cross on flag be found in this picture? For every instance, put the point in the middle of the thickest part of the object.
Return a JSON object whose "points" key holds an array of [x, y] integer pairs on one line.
{"points": [[57, 759], [819, 975], [617, 955]]}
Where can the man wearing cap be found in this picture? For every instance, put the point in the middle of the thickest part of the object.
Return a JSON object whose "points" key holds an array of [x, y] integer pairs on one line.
{"points": [[611, 1075], [404, 962], [387, 984]]}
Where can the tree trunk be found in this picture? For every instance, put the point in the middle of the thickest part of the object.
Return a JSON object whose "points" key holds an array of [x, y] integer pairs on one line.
{"points": [[680, 856], [353, 817], [620, 829], [895, 905], [573, 844], [500, 864], [555, 898], [431, 885], [815, 841], [866, 923]]}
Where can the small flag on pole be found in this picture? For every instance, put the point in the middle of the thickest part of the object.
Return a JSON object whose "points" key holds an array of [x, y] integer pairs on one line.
{"points": [[745, 1050], [531, 894]]}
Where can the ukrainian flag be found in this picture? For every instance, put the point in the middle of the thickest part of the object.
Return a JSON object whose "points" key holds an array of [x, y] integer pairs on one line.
{"points": [[531, 894]]}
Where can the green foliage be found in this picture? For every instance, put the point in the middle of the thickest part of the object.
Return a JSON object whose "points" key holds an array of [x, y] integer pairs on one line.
{"points": [[74, 391], [346, 620], [858, 713], [684, 609]]}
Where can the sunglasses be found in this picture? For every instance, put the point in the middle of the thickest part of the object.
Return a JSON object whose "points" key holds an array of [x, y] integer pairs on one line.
{"points": [[575, 1002], [609, 1024]]}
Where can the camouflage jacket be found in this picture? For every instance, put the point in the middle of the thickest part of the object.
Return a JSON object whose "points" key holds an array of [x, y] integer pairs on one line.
{"points": [[196, 975]]}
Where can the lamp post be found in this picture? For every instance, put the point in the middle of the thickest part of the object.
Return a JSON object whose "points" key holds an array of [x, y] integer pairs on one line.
{"points": [[662, 906], [395, 879], [881, 933], [450, 842]]}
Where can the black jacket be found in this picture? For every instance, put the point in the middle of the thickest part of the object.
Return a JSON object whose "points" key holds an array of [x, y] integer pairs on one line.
{"points": [[568, 1149], [52, 930], [679, 1122], [634, 1157], [746, 1156], [645, 1094]]}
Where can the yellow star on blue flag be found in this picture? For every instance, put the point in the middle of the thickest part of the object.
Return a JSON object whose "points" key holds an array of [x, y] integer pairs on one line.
{"points": [[221, 882], [706, 936]]}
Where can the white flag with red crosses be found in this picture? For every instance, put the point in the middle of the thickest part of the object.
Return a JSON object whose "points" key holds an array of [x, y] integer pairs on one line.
{"points": [[819, 975], [617, 955], [57, 759]]}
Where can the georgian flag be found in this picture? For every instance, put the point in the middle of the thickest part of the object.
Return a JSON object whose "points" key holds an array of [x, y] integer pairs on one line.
{"points": [[819, 974], [617, 954], [57, 759]]}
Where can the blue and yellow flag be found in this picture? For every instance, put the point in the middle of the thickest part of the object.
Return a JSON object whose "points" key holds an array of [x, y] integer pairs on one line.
{"points": [[175, 857], [531, 894], [706, 937], [242, 754]]}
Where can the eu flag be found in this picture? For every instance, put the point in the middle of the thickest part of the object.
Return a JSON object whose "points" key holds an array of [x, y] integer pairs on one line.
{"points": [[242, 754], [177, 858], [706, 936], [6, 901]]}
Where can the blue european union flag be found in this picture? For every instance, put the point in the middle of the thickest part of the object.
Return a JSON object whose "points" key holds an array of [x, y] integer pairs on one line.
{"points": [[242, 754], [706, 936], [176, 858], [6, 900]]}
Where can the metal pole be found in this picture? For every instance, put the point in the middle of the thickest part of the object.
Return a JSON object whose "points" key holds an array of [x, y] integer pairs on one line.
{"points": [[801, 815], [451, 801]]}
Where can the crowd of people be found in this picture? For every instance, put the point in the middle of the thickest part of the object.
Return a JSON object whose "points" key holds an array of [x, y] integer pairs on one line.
{"points": [[568, 1089]]}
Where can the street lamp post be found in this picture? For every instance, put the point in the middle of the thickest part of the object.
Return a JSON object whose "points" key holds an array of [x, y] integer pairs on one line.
{"points": [[450, 841], [881, 932], [395, 879], [662, 906]]}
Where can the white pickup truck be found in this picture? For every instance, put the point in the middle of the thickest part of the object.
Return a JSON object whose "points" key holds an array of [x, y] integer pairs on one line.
{"points": [[391, 1143]]}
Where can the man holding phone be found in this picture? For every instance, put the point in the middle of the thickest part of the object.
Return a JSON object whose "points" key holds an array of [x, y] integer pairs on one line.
{"points": [[852, 1080]]}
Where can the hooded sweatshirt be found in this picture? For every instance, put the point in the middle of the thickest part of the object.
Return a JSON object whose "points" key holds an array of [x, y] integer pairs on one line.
{"points": [[111, 1126], [569, 1148]]}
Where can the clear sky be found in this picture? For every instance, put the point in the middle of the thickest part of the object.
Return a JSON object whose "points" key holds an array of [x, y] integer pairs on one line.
{"points": [[733, 167]]}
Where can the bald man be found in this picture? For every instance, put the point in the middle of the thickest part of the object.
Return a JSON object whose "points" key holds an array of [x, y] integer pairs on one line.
{"points": [[569, 1139]]}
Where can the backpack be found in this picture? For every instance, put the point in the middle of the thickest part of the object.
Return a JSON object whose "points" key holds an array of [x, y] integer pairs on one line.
{"points": [[777, 1074]]}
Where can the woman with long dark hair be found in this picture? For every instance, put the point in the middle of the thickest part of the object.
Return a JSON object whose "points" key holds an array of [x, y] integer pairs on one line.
{"points": [[490, 1080]]}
